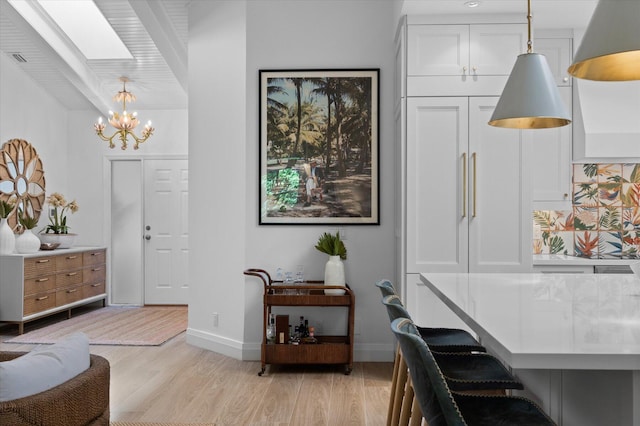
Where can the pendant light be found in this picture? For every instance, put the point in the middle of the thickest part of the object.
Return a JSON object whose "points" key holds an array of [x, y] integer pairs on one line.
{"points": [[610, 48], [530, 99]]}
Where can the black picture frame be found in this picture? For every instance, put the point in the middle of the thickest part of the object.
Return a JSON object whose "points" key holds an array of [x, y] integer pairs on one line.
{"points": [[319, 167]]}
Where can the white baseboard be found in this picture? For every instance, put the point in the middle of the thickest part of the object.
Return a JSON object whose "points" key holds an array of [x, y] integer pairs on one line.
{"points": [[251, 351]]}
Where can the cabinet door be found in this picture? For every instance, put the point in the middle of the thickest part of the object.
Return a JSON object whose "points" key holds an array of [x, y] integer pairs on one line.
{"points": [[558, 54], [437, 49], [494, 48], [551, 161], [500, 223], [437, 140]]}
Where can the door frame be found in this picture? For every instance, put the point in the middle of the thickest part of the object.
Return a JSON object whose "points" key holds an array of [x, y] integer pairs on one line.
{"points": [[107, 161]]}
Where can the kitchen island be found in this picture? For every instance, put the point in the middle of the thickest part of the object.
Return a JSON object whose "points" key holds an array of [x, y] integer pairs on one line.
{"points": [[573, 339]]}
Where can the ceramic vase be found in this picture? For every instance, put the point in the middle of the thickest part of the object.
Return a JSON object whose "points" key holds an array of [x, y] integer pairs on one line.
{"points": [[334, 275], [27, 242], [65, 240], [7, 238]]}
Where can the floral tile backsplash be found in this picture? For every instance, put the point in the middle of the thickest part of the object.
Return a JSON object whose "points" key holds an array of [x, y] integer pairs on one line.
{"points": [[604, 221]]}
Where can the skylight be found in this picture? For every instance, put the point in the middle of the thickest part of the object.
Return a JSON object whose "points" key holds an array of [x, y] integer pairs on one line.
{"points": [[88, 29]]}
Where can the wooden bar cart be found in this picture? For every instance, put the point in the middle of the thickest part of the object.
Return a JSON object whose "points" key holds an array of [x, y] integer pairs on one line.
{"points": [[329, 349]]}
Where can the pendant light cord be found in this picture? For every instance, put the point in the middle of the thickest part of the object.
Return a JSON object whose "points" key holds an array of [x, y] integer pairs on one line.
{"points": [[529, 42]]}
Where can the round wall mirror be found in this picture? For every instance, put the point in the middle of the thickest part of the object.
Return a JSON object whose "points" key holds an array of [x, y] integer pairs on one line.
{"points": [[21, 179]]}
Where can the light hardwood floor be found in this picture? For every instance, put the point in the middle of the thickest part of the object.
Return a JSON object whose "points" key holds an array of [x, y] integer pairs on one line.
{"points": [[177, 382]]}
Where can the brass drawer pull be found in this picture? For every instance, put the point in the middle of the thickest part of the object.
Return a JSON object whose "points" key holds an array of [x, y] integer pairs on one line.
{"points": [[43, 261], [38, 299], [96, 254], [96, 285], [71, 274], [72, 290], [72, 257], [41, 280], [96, 269]]}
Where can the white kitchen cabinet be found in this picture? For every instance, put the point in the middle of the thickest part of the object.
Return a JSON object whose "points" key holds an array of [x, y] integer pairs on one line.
{"points": [[467, 189], [551, 160], [559, 56], [563, 269], [476, 59], [551, 163]]}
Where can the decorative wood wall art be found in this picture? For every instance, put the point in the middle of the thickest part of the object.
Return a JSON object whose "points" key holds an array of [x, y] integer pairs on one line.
{"points": [[21, 179]]}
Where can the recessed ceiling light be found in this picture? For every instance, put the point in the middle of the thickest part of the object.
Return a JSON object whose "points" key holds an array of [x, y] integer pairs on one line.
{"points": [[472, 3]]}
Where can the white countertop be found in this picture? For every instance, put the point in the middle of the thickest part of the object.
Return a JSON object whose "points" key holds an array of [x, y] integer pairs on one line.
{"points": [[550, 321], [55, 252], [560, 259]]}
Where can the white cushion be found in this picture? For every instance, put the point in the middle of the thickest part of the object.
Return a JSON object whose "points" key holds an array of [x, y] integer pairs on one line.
{"points": [[44, 367]]}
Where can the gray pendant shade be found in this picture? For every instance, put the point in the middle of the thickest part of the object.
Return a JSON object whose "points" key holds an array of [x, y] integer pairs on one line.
{"points": [[610, 48], [530, 99]]}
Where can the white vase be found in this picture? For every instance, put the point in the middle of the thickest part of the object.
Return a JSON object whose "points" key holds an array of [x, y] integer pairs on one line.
{"points": [[65, 240], [27, 242], [7, 238], [334, 275]]}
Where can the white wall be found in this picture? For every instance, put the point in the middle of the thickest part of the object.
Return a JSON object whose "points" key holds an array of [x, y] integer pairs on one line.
{"points": [[279, 35], [28, 112], [229, 42], [87, 157]]}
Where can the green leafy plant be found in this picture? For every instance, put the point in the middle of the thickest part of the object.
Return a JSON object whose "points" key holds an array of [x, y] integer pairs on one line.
{"points": [[332, 245], [26, 221], [5, 209]]}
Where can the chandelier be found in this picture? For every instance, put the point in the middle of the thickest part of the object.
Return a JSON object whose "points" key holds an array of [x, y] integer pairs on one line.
{"points": [[125, 122]]}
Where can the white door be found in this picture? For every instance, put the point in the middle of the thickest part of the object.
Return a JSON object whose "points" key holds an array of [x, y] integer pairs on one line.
{"points": [[437, 210], [166, 235], [500, 225]]}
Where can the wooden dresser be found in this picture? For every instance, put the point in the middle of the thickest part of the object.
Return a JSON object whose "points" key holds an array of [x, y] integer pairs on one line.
{"points": [[44, 283]]}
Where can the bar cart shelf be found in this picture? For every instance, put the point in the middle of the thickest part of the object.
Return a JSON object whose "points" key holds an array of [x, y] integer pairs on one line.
{"points": [[329, 349]]}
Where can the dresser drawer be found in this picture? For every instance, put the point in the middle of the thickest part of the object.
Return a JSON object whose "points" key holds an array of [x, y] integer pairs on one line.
{"points": [[39, 284], [36, 266], [90, 290], [69, 261], [94, 274], [68, 295], [39, 302], [69, 278], [94, 257]]}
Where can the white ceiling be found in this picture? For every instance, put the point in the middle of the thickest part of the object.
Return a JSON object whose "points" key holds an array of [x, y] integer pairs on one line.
{"points": [[545, 13], [156, 33]]}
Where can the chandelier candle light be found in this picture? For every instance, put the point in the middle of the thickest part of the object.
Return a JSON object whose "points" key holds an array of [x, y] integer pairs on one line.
{"points": [[125, 122]]}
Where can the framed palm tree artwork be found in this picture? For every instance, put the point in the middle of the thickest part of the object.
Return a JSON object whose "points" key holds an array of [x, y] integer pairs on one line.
{"points": [[319, 147]]}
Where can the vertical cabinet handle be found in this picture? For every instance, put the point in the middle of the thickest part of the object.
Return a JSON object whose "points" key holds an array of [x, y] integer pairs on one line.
{"points": [[464, 184], [475, 168]]}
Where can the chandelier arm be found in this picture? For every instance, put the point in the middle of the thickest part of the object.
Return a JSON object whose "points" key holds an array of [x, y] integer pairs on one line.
{"points": [[106, 138]]}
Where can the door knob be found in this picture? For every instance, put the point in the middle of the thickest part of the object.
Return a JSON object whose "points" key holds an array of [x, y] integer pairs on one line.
{"points": [[147, 237]]}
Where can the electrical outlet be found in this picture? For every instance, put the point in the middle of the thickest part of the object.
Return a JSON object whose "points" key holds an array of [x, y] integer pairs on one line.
{"points": [[215, 319], [343, 233]]}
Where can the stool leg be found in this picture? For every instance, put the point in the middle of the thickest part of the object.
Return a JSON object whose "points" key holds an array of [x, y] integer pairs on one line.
{"points": [[407, 404], [416, 413], [394, 381], [399, 391]]}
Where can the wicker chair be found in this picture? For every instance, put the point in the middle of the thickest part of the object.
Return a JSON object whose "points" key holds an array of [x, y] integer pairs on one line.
{"points": [[82, 400]]}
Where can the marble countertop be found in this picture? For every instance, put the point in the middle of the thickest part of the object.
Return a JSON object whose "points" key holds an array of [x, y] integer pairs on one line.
{"points": [[559, 259], [550, 321]]}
